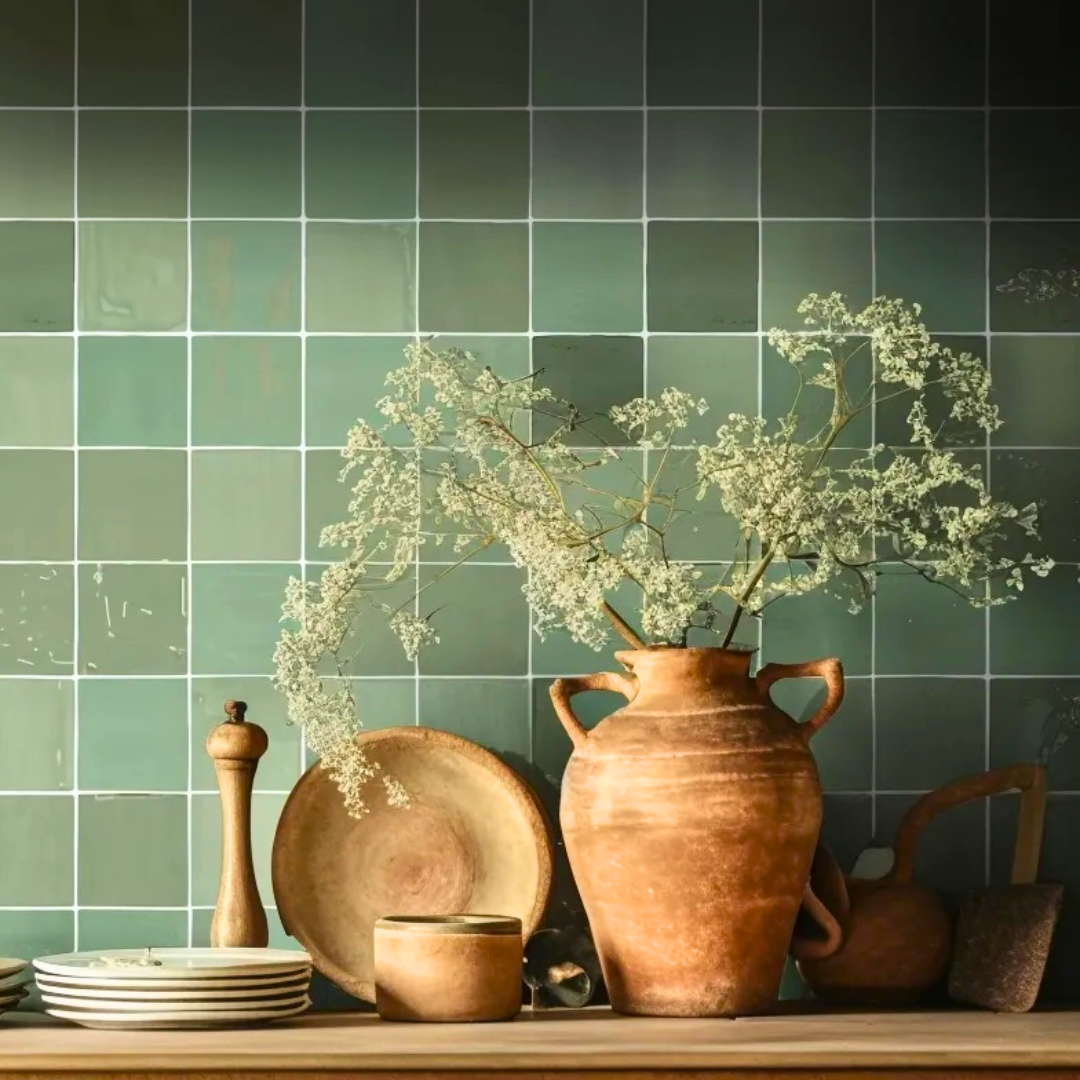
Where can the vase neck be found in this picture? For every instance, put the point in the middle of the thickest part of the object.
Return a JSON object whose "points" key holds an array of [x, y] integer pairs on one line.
{"points": [[687, 675]]}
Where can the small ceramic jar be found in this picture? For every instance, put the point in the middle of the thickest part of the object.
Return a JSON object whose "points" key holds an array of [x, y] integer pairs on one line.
{"points": [[448, 968]]}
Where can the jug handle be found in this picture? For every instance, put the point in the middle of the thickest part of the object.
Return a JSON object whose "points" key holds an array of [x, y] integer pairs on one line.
{"points": [[562, 690], [1029, 779], [831, 671], [806, 949]]}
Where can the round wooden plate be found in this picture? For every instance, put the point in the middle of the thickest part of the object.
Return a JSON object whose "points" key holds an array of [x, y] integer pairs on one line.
{"points": [[473, 840]]}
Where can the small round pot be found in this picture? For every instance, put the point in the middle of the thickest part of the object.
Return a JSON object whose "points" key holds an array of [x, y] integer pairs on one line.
{"points": [[448, 968]]}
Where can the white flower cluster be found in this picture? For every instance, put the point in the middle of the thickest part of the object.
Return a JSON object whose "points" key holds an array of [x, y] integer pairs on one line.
{"points": [[457, 457]]}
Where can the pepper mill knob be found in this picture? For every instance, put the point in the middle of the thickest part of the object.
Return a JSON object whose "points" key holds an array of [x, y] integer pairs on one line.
{"points": [[235, 747]]}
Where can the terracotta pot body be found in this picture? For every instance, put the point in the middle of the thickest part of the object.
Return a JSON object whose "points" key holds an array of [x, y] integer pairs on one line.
{"points": [[690, 819], [449, 969]]}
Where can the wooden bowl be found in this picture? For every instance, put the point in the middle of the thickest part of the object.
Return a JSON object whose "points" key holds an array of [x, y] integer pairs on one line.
{"points": [[474, 839], [448, 968]]}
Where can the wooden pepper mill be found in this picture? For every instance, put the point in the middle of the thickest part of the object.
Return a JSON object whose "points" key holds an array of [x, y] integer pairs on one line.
{"points": [[236, 746]]}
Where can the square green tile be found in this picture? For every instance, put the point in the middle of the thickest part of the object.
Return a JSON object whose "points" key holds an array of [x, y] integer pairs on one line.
{"points": [[923, 628], [1043, 249], [701, 531], [371, 647], [36, 266], [237, 613], [929, 731], [507, 355], [816, 52], [133, 391], [799, 181], [37, 492], [481, 617], [132, 276], [246, 275], [244, 53], [952, 849], [551, 746], [206, 844], [245, 391], [37, 933], [1036, 381], [906, 140], [326, 501], [592, 372], [36, 407], [360, 54], [939, 264], [39, 620], [40, 178], [847, 825], [702, 52], [587, 277], [133, 504], [780, 389], [556, 653], [125, 929], [383, 703], [133, 164], [346, 377], [37, 730], [133, 54], [37, 53], [587, 164], [818, 624], [1030, 176], [703, 163], [491, 712], [37, 848], [720, 368], [844, 748], [279, 767], [1023, 728], [801, 257], [132, 619], [587, 52], [474, 164], [133, 734], [474, 53], [703, 276], [361, 277], [360, 165], [245, 505], [950, 41], [133, 850], [1031, 57], [1049, 478], [893, 428], [245, 164], [474, 278]]}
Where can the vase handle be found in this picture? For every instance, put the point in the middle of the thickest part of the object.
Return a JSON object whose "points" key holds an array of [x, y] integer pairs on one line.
{"points": [[562, 690], [831, 671]]}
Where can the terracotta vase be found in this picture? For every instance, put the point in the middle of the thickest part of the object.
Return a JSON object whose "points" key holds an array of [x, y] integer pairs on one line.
{"points": [[690, 818]]}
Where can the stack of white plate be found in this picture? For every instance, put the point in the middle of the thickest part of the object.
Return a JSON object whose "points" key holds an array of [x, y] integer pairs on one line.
{"points": [[12, 980], [175, 988]]}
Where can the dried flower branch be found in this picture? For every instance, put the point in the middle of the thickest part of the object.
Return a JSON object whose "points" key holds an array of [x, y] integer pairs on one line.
{"points": [[584, 522]]}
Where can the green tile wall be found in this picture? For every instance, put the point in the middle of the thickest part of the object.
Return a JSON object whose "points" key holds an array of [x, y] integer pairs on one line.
{"points": [[220, 220]]}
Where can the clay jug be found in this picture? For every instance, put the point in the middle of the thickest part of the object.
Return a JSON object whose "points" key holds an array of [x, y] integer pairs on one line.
{"points": [[690, 818]]}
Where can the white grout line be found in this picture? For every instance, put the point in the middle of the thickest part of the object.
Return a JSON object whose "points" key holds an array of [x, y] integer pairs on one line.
{"points": [[987, 726], [488, 221], [873, 411], [75, 644], [529, 645], [539, 108], [416, 326], [190, 626], [760, 108], [302, 742]]}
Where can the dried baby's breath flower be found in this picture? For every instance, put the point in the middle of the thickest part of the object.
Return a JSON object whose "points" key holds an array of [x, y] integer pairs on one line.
{"points": [[452, 465]]}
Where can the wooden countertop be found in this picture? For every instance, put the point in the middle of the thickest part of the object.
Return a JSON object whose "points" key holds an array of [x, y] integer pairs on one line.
{"points": [[563, 1043]]}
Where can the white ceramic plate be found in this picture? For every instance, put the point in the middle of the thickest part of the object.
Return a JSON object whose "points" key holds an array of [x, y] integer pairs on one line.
{"points": [[113, 1005], [11, 966], [154, 993], [177, 963], [171, 1020], [229, 984]]}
